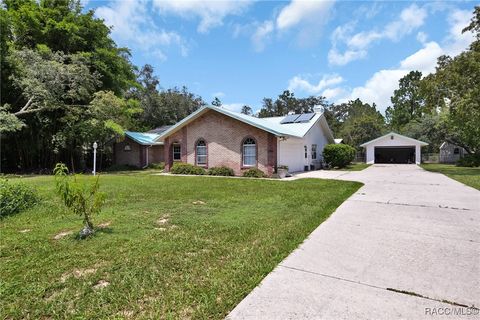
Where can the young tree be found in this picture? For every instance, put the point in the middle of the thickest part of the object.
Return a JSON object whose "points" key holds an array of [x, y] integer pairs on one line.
{"points": [[247, 110], [216, 102]]}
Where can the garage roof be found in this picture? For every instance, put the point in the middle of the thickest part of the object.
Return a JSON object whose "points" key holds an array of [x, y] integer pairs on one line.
{"points": [[397, 135]]}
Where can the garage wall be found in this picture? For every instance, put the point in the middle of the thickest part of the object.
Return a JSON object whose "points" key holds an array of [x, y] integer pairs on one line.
{"points": [[395, 142]]}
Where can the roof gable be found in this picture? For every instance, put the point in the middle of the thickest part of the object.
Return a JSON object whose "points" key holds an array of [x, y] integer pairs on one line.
{"points": [[271, 125], [397, 135]]}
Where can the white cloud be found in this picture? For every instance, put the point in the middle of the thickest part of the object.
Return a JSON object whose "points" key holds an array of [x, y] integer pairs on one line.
{"points": [[218, 94], [132, 23], [261, 35], [379, 88], [211, 13], [410, 19], [301, 83], [299, 11]]}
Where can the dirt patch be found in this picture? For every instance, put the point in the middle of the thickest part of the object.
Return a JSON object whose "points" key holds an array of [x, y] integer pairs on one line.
{"points": [[163, 220], [199, 202], [101, 284], [77, 273], [25, 230], [104, 224], [62, 234]]}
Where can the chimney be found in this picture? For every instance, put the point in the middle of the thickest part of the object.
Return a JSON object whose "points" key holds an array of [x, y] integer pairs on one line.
{"points": [[318, 109]]}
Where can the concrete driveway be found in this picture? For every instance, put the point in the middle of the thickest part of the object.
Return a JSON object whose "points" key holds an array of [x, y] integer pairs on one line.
{"points": [[405, 246]]}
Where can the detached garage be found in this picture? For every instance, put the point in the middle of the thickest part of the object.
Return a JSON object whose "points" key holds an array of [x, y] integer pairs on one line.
{"points": [[394, 148]]}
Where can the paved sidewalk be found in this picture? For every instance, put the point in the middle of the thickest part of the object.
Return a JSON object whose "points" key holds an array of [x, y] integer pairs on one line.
{"points": [[406, 245]]}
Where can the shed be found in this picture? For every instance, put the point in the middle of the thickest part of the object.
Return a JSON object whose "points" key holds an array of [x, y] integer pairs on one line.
{"points": [[394, 148]]}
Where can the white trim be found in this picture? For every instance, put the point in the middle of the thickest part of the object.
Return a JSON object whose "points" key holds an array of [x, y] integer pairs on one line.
{"points": [[394, 134]]}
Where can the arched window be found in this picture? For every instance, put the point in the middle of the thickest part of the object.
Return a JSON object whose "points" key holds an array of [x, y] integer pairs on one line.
{"points": [[249, 152], [201, 152]]}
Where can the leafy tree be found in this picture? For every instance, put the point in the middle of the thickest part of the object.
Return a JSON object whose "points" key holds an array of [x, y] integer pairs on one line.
{"points": [[247, 110], [216, 102], [287, 102], [407, 101]]}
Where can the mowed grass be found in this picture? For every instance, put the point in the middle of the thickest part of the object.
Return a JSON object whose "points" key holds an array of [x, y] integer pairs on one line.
{"points": [[465, 175], [175, 247]]}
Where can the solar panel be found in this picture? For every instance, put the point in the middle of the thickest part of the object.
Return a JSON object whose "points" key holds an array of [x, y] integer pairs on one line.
{"points": [[305, 117], [290, 118]]}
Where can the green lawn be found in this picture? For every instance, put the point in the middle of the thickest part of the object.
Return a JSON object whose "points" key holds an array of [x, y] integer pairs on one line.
{"points": [[163, 253], [468, 176], [357, 166]]}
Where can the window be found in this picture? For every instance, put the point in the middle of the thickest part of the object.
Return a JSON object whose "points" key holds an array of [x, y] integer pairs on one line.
{"points": [[306, 152], [456, 151], [127, 147], [249, 152], [201, 150], [177, 152], [314, 151]]}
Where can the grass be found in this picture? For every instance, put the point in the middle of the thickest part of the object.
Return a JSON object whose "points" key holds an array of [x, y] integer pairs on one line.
{"points": [[468, 176], [175, 247], [356, 166]]}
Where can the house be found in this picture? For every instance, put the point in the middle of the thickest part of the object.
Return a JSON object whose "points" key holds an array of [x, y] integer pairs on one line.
{"points": [[214, 136], [451, 153], [139, 149], [394, 148]]}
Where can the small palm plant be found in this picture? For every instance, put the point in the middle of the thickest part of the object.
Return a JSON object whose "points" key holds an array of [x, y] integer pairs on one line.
{"points": [[81, 198]]}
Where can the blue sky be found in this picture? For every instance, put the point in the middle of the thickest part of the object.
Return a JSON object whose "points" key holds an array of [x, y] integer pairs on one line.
{"points": [[243, 51]]}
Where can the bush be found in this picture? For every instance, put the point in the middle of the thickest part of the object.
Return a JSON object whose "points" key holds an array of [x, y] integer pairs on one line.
{"points": [[16, 197], [186, 168], [221, 171], [157, 166], [470, 160], [254, 173], [338, 155]]}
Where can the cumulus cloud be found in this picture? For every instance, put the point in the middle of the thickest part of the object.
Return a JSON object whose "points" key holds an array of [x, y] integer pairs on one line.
{"points": [[130, 21], [211, 13], [301, 83], [379, 88], [262, 34], [356, 45], [300, 11], [237, 107]]}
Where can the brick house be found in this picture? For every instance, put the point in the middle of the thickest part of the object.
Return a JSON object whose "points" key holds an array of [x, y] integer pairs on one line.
{"points": [[213, 136], [139, 149]]}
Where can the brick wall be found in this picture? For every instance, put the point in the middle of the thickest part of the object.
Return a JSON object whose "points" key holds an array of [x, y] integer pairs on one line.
{"points": [[137, 155], [224, 137]]}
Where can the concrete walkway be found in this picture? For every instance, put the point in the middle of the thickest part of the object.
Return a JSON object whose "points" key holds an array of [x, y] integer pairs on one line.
{"points": [[405, 246]]}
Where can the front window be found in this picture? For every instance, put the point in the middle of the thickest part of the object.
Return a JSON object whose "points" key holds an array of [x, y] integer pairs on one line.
{"points": [[201, 149], [314, 151], [249, 152], [306, 152], [456, 151], [177, 152]]}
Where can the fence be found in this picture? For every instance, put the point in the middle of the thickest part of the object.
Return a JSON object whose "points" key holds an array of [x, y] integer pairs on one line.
{"points": [[430, 157]]}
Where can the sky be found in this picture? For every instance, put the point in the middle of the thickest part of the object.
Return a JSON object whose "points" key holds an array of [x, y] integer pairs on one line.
{"points": [[243, 51]]}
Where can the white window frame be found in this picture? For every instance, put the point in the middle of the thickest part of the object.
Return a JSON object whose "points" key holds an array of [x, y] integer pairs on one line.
{"points": [[198, 155], [249, 146], [179, 152]]}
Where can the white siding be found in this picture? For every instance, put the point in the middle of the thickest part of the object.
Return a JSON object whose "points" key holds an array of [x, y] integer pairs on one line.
{"points": [[291, 151], [396, 142]]}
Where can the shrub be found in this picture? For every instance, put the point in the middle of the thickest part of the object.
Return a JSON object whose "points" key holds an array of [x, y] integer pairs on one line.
{"points": [[16, 197], [470, 160], [254, 173], [338, 155], [80, 198], [186, 168], [157, 166], [221, 171]]}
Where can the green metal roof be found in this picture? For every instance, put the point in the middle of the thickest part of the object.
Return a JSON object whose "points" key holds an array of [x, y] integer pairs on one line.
{"points": [[146, 139]]}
